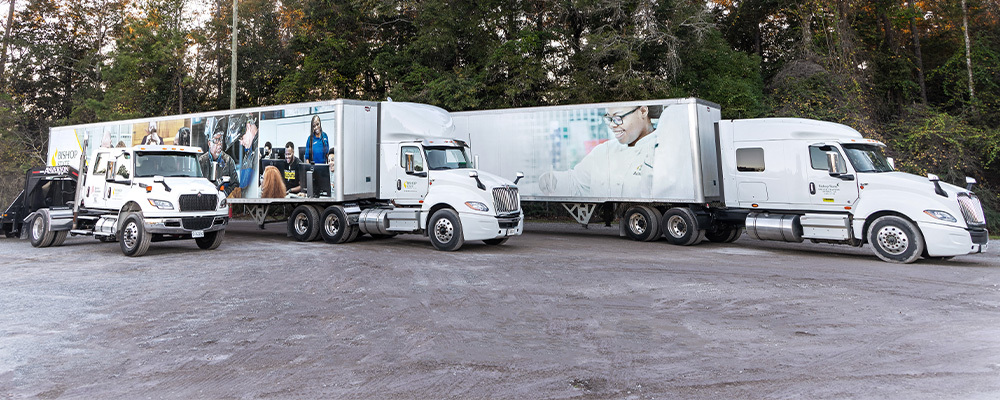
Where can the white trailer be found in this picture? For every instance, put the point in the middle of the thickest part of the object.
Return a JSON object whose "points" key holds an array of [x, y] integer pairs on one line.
{"points": [[338, 169], [674, 168]]}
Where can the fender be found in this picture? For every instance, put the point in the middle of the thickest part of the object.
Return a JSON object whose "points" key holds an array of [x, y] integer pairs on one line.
{"points": [[874, 201]]}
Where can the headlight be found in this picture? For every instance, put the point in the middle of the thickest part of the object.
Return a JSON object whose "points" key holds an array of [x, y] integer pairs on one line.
{"points": [[161, 204], [223, 203], [475, 205], [941, 215]]}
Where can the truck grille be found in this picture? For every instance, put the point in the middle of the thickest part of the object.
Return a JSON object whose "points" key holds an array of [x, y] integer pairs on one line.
{"points": [[972, 209], [198, 223], [505, 200], [198, 202]]}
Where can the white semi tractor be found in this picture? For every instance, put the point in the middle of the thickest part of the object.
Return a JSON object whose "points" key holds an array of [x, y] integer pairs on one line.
{"points": [[674, 168], [339, 169]]}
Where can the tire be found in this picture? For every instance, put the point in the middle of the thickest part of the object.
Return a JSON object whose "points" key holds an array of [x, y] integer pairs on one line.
{"points": [[303, 224], [445, 230], [60, 238], [723, 233], [496, 242], [334, 226], [39, 232], [133, 238], [680, 226], [355, 233], [895, 239], [211, 241], [642, 223]]}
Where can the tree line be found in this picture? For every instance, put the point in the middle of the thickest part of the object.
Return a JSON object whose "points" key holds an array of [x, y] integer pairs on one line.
{"points": [[922, 76]]}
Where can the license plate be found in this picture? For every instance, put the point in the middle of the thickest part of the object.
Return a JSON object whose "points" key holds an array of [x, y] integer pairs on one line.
{"points": [[511, 231], [198, 234]]}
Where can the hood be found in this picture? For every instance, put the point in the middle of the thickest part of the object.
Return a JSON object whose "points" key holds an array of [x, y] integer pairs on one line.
{"points": [[905, 182], [181, 186], [460, 177]]}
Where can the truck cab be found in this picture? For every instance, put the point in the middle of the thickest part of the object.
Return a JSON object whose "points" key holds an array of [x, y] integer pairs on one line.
{"points": [[803, 179]]}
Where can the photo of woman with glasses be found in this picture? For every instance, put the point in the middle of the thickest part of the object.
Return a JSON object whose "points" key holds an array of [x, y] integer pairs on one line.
{"points": [[619, 167]]}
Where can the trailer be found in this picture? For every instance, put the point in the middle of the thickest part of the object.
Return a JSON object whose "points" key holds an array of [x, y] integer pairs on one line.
{"points": [[336, 169], [674, 168]]}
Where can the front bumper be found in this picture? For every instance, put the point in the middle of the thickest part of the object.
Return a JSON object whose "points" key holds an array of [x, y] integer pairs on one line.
{"points": [[185, 225], [485, 227], [948, 241]]}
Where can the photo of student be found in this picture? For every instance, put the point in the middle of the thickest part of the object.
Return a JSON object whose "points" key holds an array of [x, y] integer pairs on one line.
{"points": [[266, 153], [248, 153], [183, 136], [225, 164], [152, 137], [272, 186], [291, 172], [330, 158], [317, 144], [622, 166]]}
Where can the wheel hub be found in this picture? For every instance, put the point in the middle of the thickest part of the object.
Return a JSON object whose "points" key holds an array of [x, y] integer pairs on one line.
{"points": [[637, 223], [893, 240], [301, 224], [677, 226], [444, 230], [332, 225], [37, 229], [130, 235]]}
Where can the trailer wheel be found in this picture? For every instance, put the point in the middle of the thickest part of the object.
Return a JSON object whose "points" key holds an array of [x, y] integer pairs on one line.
{"points": [[496, 242], [211, 241], [642, 223], [303, 224], [334, 225], [680, 226], [896, 240], [59, 238], [134, 238], [723, 233], [445, 230], [41, 235]]}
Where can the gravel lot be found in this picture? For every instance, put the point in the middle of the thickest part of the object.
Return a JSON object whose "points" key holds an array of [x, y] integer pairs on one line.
{"points": [[560, 312]]}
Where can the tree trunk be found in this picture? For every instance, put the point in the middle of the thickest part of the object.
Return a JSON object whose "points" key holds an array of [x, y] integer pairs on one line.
{"points": [[6, 42], [968, 53], [920, 58]]}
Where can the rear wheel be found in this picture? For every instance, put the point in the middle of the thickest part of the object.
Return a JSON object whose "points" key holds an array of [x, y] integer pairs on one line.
{"points": [[895, 239], [723, 233], [335, 228], [134, 238], [211, 241], [41, 235], [303, 224], [445, 230], [680, 226], [60, 238], [496, 242], [642, 223]]}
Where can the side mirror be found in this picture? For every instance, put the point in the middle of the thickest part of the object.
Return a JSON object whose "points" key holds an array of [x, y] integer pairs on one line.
{"points": [[214, 173], [475, 162], [933, 178], [109, 174], [409, 163], [835, 164], [892, 162], [937, 185], [518, 177], [969, 182], [158, 179], [479, 183], [473, 174], [225, 179]]}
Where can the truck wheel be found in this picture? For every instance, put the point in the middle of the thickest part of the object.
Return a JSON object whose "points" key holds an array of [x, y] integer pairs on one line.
{"points": [[211, 241], [642, 223], [445, 230], [41, 235], [355, 233], [895, 239], [680, 226], [723, 233], [496, 242], [60, 238], [303, 224], [134, 238], [335, 228]]}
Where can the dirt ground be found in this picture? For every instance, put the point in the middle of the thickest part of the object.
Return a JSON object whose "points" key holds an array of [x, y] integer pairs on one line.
{"points": [[560, 312]]}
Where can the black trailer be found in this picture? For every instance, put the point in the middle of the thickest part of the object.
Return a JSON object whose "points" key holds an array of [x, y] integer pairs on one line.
{"points": [[46, 187]]}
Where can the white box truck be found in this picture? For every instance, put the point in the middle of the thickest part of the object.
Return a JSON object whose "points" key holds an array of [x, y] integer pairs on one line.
{"points": [[674, 168], [338, 169]]}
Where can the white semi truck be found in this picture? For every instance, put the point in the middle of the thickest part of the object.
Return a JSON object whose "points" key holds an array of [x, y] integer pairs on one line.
{"points": [[674, 168], [338, 169], [134, 196]]}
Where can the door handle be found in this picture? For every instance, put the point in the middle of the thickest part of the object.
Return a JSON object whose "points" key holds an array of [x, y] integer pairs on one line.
{"points": [[812, 188]]}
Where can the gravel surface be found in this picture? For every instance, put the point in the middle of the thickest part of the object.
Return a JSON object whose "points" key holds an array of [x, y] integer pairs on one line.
{"points": [[560, 312]]}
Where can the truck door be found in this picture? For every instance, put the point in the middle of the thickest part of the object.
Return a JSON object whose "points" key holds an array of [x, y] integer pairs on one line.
{"points": [[826, 191], [97, 184], [411, 186], [116, 190]]}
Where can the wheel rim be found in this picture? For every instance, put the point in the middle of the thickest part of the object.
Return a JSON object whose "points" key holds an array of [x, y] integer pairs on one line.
{"points": [[130, 234], [444, 230], [36, 229], [893, 240], [332, 225], [301, 224], [677, 226], [637, 223]]}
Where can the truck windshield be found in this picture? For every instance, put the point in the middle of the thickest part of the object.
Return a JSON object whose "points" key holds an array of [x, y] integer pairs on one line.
{"points": [[446, 158], [867, 158], [167, 165]]}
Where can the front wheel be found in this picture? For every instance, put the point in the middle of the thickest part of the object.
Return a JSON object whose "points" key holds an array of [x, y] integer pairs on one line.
{"points": [[445, 230], [211, 240], [134, 238], [41, 234], [895, 239]]}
